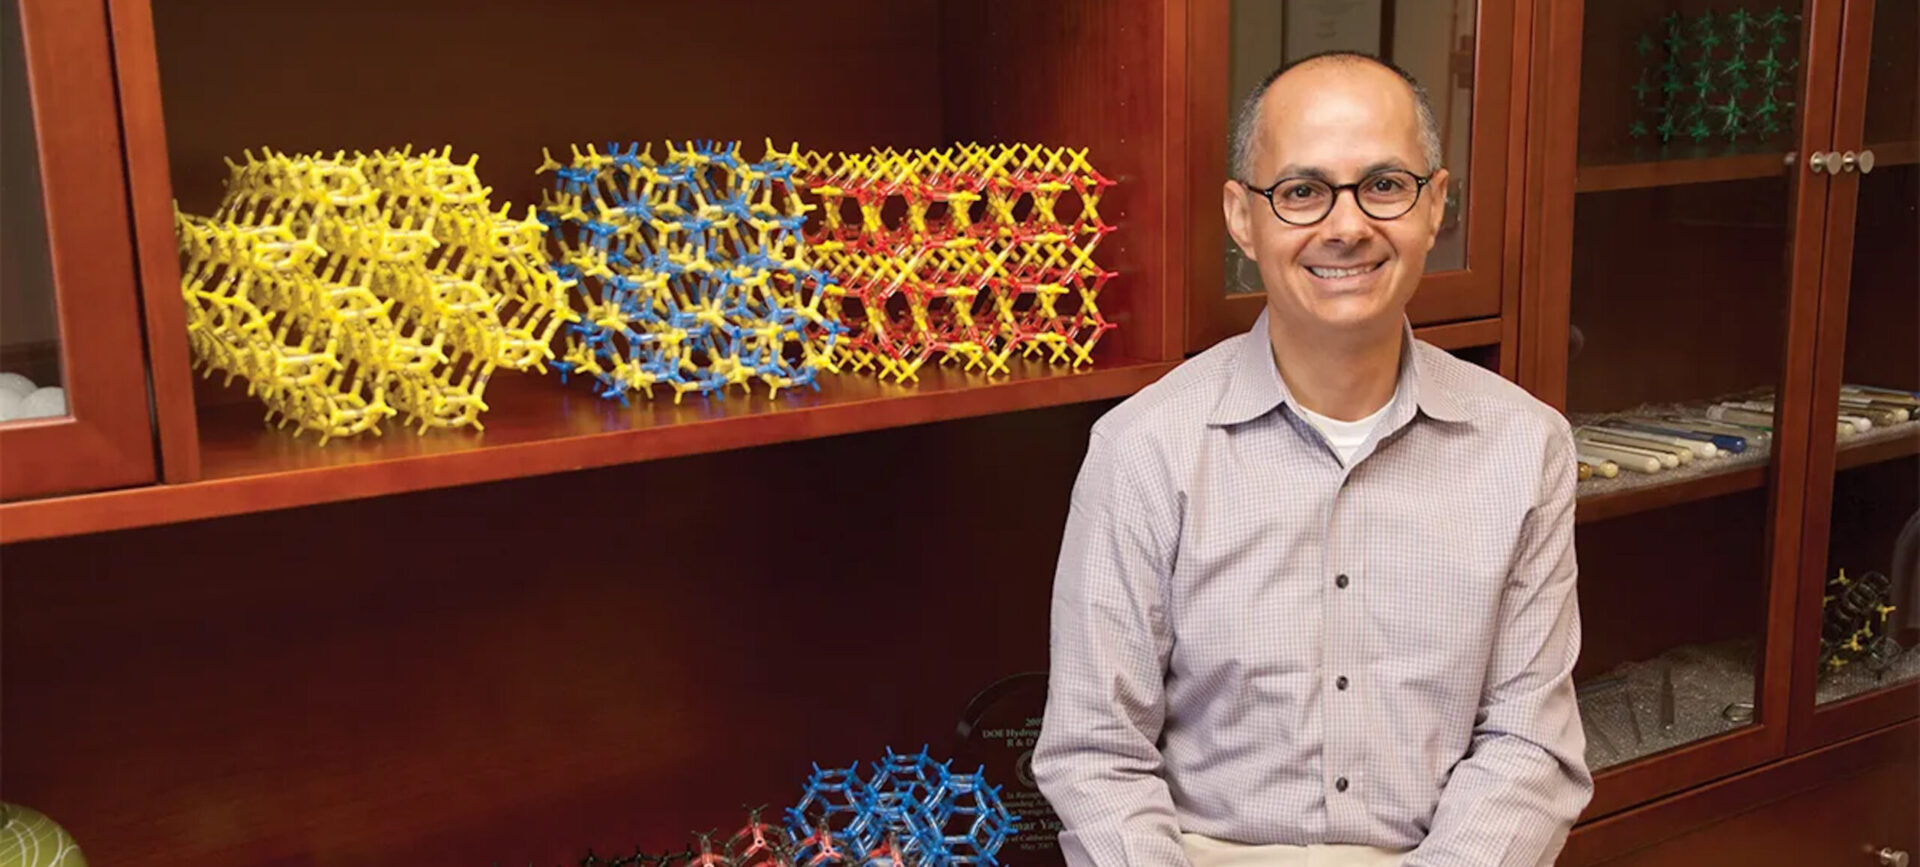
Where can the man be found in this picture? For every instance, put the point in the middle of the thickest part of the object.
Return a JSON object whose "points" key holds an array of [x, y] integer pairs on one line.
{"points": [[1315, 601]]}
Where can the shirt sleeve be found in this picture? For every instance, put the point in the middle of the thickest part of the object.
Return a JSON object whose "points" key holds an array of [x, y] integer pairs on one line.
{"points": [[1096, 760], [1512, 799]]}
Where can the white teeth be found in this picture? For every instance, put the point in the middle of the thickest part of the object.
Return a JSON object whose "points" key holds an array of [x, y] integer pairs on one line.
{"points": [[1336, 273]]}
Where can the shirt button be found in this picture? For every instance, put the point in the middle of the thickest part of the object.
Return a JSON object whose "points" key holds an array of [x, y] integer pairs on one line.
{"points": [[1340, 682], [1340, 581], [1340, 785]]}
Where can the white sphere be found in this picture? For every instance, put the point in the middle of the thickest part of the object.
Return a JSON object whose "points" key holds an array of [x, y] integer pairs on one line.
{"points": [[44, 403], [9, 405], [18, 385]]}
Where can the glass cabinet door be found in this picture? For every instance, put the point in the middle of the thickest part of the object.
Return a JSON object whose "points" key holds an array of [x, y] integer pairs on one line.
{"points": [[1677, 309], [30, 385], [73, 396], [1860, 594], [1461, 53]]}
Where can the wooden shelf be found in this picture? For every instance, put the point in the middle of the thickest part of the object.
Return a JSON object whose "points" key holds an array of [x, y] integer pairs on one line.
{"points": [[1895, 153], [1874, 451], [1703, 169], [1741, 474], [1659, 495], [1677, 171], [538, 426]]}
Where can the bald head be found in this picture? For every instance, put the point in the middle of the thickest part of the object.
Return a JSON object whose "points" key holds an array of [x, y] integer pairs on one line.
{"points": [[1297, 80]]}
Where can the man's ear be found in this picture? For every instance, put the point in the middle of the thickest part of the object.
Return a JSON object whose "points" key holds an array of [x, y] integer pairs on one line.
{"points": [[1234, 200], [1437, 202]]}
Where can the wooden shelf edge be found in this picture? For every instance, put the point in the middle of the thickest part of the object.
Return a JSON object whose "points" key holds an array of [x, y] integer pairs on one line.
{"points": [[1706, 170], [237, 495], [1667, 173], [1895, 153], [1851, 456], [1601, 507], [1462, 335], [1614, 504]]}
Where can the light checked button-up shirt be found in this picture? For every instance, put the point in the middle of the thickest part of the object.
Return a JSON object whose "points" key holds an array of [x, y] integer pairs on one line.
{"points": [[1255, 642]]}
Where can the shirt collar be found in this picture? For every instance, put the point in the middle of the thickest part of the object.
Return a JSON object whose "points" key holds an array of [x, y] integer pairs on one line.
{"points": [[1255, 387]]}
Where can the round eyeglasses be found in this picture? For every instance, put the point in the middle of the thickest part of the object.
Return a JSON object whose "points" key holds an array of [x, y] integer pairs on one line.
{"points": [[1383, 195]]}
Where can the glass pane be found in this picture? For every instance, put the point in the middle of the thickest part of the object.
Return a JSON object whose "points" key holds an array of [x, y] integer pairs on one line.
{"points": [[1673, 240], [29, 320], [1433, 41], [1871, 622]]}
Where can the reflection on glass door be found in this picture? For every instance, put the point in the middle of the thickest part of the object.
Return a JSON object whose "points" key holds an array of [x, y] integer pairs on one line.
{"points": [[30, 381]]}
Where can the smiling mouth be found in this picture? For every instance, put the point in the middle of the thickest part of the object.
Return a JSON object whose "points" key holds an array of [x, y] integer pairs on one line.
{"points": [[1337, 273]]}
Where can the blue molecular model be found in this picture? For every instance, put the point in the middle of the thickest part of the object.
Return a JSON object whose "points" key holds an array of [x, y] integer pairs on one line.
{"points": [[911, 810], [692, 272]]}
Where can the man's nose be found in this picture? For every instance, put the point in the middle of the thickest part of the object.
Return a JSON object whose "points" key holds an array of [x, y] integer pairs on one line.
{"points": [[1346, 223]]}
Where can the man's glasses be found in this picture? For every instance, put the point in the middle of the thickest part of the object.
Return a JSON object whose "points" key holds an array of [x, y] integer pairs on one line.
{"points": [[1384, 195]]}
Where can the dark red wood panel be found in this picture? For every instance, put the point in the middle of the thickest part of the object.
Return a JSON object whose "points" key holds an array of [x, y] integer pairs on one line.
{"points": [[511, 673]]}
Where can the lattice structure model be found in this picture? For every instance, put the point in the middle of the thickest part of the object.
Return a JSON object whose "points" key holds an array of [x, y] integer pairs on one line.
{"points": [[971, 254], [1723, 76], [345, 290], [759, 844], [1854, 626], [911, 810], [692, 272]]}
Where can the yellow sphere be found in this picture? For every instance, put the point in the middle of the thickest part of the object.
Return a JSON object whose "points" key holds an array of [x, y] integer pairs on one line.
{"points": [[29, 839]]}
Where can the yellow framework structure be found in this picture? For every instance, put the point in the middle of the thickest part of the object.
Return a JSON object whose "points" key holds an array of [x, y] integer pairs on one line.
{"points": [[345, 290]]}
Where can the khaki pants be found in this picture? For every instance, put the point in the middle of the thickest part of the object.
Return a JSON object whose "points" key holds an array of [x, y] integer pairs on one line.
{"points": [[1208, 852]]}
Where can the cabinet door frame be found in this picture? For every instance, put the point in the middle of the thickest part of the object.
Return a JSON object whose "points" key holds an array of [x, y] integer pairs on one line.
{"points": [[1811, 726], [1546, 305], [136, 65], [1447, 296], [106, 440]]}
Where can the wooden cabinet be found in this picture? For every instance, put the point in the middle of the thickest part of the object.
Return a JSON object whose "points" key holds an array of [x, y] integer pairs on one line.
{"points": [[233, 666], [213, 658], [200, 86], [74, 416], [1863, 489], [1856, 803], [1462, 51], [1849, 821], [1691, 217]]}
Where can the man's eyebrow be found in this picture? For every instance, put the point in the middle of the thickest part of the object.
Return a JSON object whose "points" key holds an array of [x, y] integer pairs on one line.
{"points": [[1292, 170]]}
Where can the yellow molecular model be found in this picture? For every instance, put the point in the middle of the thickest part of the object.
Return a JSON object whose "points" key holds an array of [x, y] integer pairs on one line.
{"points": [[347, 289], [970, 253]]}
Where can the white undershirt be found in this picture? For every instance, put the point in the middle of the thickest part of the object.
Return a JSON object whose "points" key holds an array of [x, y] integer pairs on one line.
{"points": [[1344, 436]]}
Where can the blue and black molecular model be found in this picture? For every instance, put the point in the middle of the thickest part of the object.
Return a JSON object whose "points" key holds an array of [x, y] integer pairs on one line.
{"points": [[691, 272]]}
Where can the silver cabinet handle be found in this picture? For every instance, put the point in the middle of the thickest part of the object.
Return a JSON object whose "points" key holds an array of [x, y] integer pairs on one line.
{"points": [[1847, 161], [1866, 161], [1828, 162], [1891, 857]]}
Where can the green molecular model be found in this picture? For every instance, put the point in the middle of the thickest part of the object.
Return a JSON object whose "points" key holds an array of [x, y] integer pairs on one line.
{"points": [[1714, 77]]}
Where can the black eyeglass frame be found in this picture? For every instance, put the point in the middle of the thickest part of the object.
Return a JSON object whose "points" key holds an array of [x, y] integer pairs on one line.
{"points": [[1333, 200]]}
